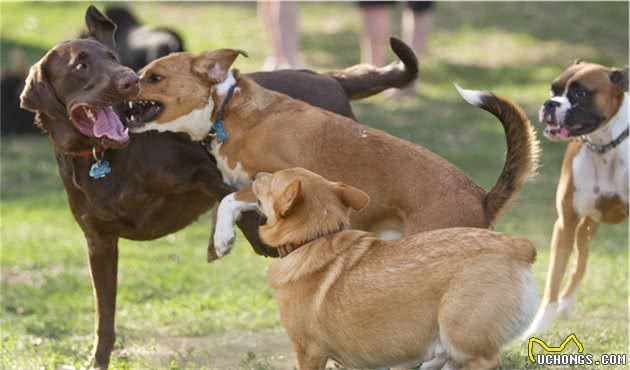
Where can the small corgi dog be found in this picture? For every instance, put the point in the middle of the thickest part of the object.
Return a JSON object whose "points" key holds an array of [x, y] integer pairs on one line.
{"points": [[448, 298]]}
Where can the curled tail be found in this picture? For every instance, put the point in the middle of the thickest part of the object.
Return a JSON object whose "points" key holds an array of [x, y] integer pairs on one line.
{"points": [[521, 160], [363, 80]]}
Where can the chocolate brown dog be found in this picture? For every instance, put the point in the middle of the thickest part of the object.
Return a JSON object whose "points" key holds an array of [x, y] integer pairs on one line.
{"points": [[158, 183]]}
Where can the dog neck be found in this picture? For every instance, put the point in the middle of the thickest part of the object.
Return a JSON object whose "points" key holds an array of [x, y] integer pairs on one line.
{"points": [[344, 249], [614, 128], [63, 135], [197, 123], [285, 249]]}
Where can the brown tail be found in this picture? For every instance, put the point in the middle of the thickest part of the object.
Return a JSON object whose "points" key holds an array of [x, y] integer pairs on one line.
{"points": [[521, 160], [363, 80]]}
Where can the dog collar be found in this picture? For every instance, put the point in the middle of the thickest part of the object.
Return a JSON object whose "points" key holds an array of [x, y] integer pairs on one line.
{"points": [[601, 149], [86, 152], [286, 249], [217, 129], [100, 168]]}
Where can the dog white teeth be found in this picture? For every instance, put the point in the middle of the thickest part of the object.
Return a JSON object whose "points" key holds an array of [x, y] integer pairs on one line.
{"points": [[89, 114], [130, 105], [133, 118]]}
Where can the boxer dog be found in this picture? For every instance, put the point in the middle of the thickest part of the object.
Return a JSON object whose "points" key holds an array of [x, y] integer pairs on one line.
{"points": [[588, 106], [448, 298]]}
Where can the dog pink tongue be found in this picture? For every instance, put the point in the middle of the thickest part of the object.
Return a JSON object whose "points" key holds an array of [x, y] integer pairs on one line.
{"points": [[564, 132], [108, 124]]}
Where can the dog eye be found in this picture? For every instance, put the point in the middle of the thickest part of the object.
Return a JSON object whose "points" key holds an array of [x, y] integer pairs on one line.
{"points": [[580, 93], [80, 67], [155, 78]]}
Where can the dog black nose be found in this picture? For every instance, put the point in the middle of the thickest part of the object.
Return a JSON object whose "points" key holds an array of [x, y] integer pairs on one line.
{"points": [[551, 104], [129, 85]]}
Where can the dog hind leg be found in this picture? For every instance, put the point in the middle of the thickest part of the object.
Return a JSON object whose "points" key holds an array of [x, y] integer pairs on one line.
{"points": [[584, 232]]}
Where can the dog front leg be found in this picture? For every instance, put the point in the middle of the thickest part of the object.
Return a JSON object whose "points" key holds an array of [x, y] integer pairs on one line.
{"points": [[230, 210], [103, 257], [249, 223], [307, 361], [561, 244]]}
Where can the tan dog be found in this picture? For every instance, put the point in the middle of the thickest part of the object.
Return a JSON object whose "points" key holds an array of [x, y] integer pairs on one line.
{"points": [[412, 189], [449, 297], [590, 103]]}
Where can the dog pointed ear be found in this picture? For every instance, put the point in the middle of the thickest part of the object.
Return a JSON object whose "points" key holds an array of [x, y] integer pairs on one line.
{"points": [[38, 93], [351, 196], [213, 66], [289, 197], [619, 77], [100, 28]]}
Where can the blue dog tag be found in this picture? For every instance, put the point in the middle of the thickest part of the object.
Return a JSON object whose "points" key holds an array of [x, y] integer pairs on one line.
{"points": [[220, 131], [99, 169]]}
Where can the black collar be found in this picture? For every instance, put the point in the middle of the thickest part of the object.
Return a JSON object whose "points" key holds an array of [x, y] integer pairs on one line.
{"points": [[217, 129], [602, 149]]}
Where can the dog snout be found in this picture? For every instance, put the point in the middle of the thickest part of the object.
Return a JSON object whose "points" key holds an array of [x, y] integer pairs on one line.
{"points": [[551, 105], [129, 85]]}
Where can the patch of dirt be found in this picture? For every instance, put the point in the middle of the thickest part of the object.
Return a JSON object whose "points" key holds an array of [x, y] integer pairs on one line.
{"points": [[269, 349]]}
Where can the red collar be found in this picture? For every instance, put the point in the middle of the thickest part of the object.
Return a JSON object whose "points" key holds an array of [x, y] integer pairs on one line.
{"points": [[285, 249], [87, 152]]}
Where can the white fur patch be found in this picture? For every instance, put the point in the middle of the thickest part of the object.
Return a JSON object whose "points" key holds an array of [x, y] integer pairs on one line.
{"points": [[389, 235], [222, 88], [236, 176], [596, 175], [229, 212], [473, 97], [528, 302], [565, 305], [544, 318], [197, 123], [562, 109]]}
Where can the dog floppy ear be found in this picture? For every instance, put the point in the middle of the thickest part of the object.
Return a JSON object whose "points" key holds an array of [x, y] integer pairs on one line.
{"points": [[38, 93], [351, 196], [289, 197], [101, 28], [214, 66], [619, 77]]}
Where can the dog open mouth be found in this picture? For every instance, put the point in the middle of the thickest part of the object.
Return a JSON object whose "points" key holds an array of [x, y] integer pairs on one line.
{"points": [[99, 122], [138, 112], [556, 131]]}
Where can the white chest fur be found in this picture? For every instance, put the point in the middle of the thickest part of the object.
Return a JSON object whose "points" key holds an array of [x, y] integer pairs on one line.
{"points": [[596, 175], [196, 123], [236, 176]]}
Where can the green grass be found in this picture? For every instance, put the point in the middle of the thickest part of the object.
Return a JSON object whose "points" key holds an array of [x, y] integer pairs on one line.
{"points": [[177, 311]]}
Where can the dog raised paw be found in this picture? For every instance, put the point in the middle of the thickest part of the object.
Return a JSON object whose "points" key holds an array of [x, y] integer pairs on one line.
{"points": [[224, 238]]}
